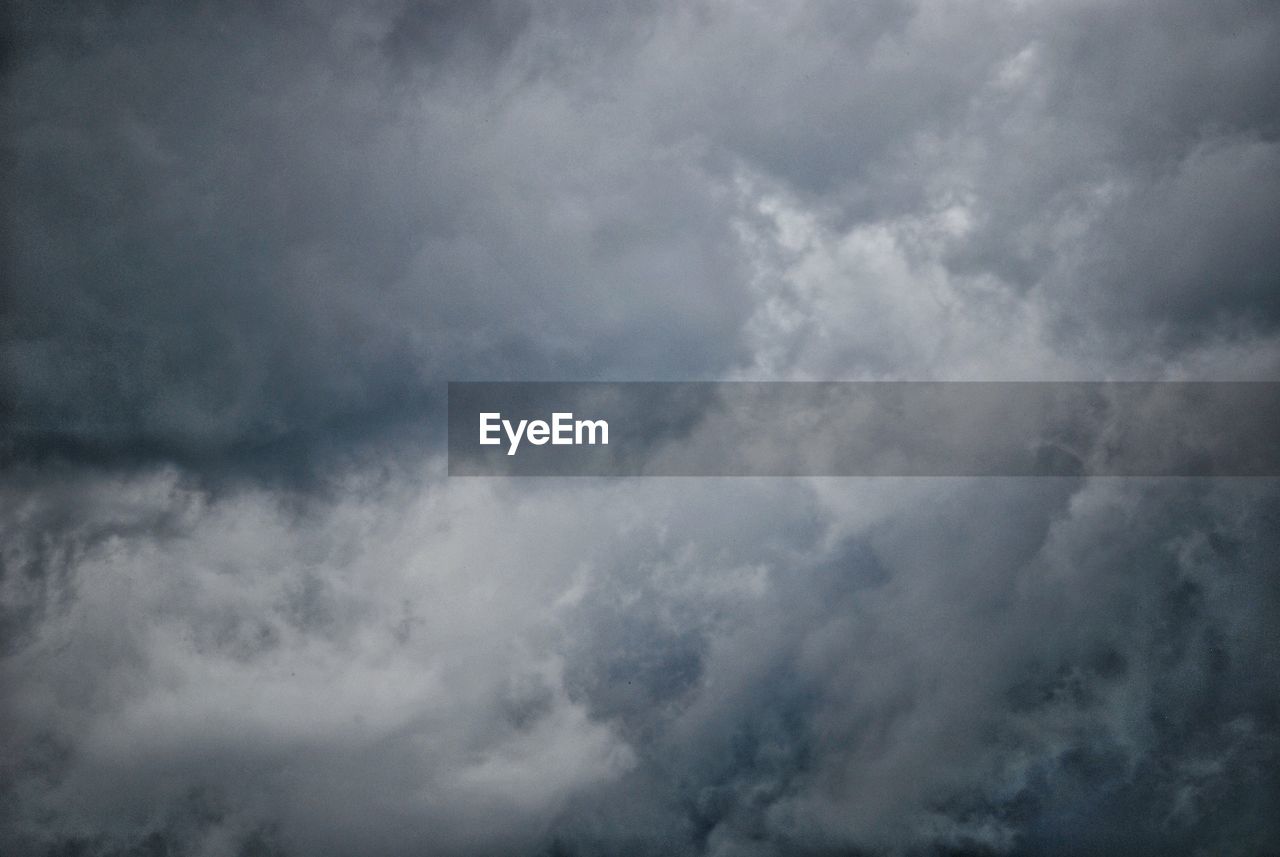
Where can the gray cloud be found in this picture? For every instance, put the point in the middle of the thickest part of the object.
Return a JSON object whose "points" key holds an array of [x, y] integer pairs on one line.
{"points": [[244, 250], [983, 665], [245, 612]]}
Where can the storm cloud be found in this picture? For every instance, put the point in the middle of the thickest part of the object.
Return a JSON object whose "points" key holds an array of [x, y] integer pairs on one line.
{"points": [[246, 612]]}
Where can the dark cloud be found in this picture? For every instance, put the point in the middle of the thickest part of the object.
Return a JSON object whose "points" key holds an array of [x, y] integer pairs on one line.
{"points": [[982, 666], [448, 29], [233, 241], [242, 610], [1192, 252], [1129, 170]]}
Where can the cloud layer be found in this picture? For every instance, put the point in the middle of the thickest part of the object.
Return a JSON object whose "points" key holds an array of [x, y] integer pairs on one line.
{"points": [[245, 612]]}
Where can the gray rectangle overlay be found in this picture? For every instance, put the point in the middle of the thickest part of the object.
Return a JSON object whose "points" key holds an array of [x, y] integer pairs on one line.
{"points": [[916, 428]]}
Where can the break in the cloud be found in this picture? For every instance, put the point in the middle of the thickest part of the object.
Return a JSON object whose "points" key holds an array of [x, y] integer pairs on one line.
{"points": [[246, 244]]}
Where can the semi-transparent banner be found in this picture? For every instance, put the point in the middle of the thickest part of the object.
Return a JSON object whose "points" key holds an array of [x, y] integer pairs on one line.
{"points": [[864, 429]]}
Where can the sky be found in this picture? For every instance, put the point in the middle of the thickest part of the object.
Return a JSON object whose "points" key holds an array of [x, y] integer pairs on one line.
{"points": [[245, 611]]}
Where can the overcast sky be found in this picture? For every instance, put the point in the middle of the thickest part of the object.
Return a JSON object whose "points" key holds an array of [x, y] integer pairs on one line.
{"points": [[243, 610]]}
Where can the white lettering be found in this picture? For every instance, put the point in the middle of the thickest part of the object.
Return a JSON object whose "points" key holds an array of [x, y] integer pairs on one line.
{"points": [[514, 436], [563, 430], [590, 426], [488, 423]]}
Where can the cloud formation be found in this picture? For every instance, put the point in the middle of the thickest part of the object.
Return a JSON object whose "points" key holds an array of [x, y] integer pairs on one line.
{"points": [[246, 613]]}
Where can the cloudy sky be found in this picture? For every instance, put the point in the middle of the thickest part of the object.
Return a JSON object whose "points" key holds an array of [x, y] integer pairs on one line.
{"points": [[244, 610]]}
